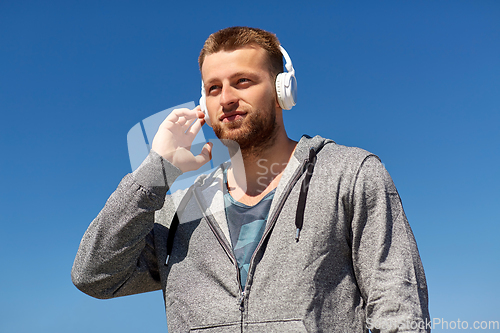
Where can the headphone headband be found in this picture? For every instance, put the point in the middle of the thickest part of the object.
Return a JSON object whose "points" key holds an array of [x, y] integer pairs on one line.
{"points": [[288, 61]]}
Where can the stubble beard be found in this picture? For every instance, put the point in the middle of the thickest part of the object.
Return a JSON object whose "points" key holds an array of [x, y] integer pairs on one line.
{"points": [[253, 134]]}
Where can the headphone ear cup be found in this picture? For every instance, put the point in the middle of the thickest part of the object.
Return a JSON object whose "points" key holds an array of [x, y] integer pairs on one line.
{"points": [[286, 90], [279, 89], [203, 106], [291, 89]]}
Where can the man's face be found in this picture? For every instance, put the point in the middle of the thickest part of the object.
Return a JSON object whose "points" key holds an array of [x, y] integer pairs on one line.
{"points": [[240, 94]]}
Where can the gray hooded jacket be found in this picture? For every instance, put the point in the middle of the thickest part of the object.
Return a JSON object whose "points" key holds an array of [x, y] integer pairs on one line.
{"points": [[354, 267]]}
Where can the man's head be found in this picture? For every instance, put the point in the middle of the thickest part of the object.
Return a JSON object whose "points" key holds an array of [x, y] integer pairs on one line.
{"points": [[230, 39], [239, 66]]}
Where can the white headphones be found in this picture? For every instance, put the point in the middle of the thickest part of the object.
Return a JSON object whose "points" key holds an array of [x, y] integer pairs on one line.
{"points": [[203, 104], [286, 84], [286, 88]]}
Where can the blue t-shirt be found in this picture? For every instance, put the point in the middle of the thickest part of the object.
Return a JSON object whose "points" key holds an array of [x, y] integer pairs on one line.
{"points": [[246, 227]]}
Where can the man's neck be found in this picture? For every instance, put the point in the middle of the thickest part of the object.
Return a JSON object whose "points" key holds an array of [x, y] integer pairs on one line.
{"points": [[256, 173]]}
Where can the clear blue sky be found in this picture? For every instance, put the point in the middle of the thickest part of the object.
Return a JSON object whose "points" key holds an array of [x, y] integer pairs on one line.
{"points": [[415, 82]]}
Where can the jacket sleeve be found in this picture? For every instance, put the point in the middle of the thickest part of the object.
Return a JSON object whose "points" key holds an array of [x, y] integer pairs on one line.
{"points": [[116, 256], [385, 255]]}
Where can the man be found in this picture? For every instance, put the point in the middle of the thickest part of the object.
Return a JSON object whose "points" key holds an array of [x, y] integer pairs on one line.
{"points": [[305, 236]]}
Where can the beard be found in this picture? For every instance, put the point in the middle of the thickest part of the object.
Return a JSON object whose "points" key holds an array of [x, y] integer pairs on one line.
{"points": [[253, 134]]}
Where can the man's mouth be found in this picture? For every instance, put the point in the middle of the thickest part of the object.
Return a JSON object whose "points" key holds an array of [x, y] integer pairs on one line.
{"points": [[232, 116]]}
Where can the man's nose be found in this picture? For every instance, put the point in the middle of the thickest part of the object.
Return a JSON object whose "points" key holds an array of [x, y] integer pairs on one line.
{"points": [[228, 96]]}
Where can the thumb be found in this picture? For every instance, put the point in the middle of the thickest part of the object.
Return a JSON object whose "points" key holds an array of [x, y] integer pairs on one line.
{"points": [[205, 155]]}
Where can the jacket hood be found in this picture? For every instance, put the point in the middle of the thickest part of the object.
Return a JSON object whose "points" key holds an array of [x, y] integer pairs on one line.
{"points": [[306, 143], [301, 153]]}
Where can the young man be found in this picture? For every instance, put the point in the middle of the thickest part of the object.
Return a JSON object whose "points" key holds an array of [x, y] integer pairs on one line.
{"points": [[305, 236]]}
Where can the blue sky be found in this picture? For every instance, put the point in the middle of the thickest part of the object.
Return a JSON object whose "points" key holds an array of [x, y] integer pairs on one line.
{"points": [[415, 82]]}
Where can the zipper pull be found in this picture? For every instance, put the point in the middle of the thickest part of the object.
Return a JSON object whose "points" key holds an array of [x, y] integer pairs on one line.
{"points": [[304, 188], [242, 301]]}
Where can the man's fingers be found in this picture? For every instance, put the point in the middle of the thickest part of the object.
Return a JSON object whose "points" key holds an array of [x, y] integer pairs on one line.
{"points": [[181, 116], [175, 137], [195, 128]]}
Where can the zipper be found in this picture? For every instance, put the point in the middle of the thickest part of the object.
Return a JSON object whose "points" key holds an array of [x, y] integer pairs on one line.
{"points": [[228, 250], [274, 217], [300, 171], [242, 301], [242, 309]]}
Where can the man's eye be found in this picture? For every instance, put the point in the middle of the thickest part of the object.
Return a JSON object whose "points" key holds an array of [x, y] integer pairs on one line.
{"points": [[243, 80], [212, 88]]}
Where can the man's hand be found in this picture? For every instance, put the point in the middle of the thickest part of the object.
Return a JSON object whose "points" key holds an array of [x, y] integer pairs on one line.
{"points": [[175, 136]]}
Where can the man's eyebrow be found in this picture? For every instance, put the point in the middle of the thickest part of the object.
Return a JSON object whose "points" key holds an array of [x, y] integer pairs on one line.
{"points": [[250, 74]]}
